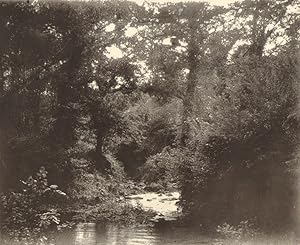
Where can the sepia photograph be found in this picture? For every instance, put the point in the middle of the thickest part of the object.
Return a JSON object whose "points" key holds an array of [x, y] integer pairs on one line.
{"points": [[150, 122]]}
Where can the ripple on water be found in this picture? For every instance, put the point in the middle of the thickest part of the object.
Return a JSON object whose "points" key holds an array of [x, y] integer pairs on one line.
{"points": [[109, 234]]}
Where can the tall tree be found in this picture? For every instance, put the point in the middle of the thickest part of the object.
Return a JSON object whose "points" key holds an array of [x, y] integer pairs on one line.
{"points": [[264, 23], [184, 38]]}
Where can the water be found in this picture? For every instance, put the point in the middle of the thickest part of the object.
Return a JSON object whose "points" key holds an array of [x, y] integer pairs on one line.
{"points": [[112, 234], [165, 205], [109, 234]]}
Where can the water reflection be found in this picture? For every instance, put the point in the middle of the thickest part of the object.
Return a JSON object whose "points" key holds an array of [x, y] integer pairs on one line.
{"points": [[85, 233], [108, 234]]}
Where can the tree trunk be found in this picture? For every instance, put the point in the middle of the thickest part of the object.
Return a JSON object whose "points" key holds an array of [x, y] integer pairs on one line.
{"points": [[102, 164], [63, 131], [67, 96], [193, 52]]}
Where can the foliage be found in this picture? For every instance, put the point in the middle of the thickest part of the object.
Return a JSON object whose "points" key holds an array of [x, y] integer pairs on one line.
{"points": [[94, 195], [31, 212], [122, 213], [94, 186], [162, 168], [247, 138], [150, 126], [243, 231], [197, 94]]}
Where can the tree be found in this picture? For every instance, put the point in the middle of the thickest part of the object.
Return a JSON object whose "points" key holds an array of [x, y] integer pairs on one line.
{"points": [[245, 130], [45, 86], [185, 40], [264, 22]]}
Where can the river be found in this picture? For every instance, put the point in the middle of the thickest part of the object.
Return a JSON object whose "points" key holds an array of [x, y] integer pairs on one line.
{"points": [[170, 234], [166, 207], [109, 234], [112, 234]]}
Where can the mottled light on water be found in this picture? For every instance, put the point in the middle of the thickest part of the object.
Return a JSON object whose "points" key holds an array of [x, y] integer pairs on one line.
{"points": [[109, 234], [92, 234]]}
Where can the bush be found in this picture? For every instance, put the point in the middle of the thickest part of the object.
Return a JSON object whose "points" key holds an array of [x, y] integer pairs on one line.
{"points": [[244, 139], [32, 211], [94, 195], [155, 187], [244, 230], [162, 168]]}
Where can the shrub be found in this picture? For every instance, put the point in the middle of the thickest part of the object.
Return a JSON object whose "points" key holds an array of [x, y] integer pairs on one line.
{"points": [[244, 230], [30, 212], [163, 167]]}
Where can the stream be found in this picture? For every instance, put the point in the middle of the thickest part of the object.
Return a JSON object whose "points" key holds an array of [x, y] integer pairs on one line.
{"points": [[165, 206], [111, 234], [167, 234]]}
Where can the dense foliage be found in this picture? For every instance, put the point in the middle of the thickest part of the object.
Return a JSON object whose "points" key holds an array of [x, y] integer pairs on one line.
{"points": [[37, 203], [188, 95]]}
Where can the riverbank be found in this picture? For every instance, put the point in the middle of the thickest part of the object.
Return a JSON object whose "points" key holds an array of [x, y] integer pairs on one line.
{"points": [[137, 207], [128, 220], [112, 209], [39, 209]]}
